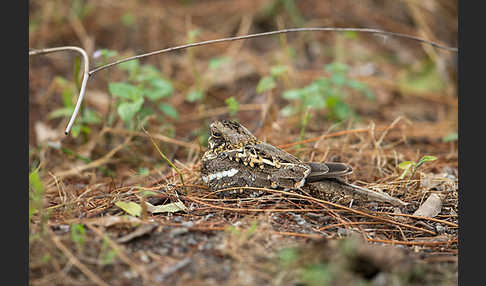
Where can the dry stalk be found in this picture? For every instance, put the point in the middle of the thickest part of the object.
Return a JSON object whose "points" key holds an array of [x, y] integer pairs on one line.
{"points": [[309, 198], [156, 136], [96, 163]]}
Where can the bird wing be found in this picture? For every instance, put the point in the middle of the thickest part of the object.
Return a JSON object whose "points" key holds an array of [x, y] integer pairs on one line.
{"points": [[320, 171]]}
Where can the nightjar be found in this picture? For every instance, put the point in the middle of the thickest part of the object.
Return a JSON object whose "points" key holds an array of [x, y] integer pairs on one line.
{"points": [[236, 158]]}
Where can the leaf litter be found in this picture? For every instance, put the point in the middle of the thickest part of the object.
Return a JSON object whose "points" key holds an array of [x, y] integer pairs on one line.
{"points": [[196, 237]]}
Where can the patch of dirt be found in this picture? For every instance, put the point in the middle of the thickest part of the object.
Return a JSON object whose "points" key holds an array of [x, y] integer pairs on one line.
{"points": [[279, 238]]}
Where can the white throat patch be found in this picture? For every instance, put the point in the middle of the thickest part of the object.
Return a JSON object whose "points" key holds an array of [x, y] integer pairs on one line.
{"points": [[219, 175]]}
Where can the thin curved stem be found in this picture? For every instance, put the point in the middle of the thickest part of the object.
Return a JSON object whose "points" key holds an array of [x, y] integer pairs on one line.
{"points": [[82, 91], [362, 30]]}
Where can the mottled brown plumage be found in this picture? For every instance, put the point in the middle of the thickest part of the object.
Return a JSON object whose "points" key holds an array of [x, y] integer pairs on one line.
{"points": [[236, 158]]}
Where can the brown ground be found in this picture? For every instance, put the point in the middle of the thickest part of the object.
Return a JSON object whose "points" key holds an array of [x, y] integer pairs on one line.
{"points": [[78, 236]]}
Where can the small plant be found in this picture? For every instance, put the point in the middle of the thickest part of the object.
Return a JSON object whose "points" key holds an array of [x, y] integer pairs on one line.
{"points": [[216, 62], [146, 82], [88, 116], [268, 83], [36, 193], [411, 165], [107, 254], [327, 93], [103, 55], [78, 235], [197, 92], [310, 273], [451, 137], [243, 234], [233, 105]]}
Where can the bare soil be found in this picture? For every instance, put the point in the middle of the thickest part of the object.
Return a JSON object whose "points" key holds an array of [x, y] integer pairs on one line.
{"points": [[79, 236]]}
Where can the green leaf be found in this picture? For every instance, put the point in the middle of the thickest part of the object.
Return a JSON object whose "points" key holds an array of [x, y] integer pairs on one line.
{"points": [[194, 95], [77, 71], [128, 19], [277, 71], [265, 84], [316, 274], [424, 159], [160, 88], [233, 105], [338, 79], [148, 193], [36, 193], [356, 85], [450, 137], [124, 90], [107, 253], [292, 94], [168, 110], [78, 234], [426, 79], [127, 110], [336, 67], [61, 112], [36, 183], [342, 111], [350, 34], [323, 84], [427, 158], [369, 94], [405, 172], [85, 129], [76, 130], [314, 89], [144, 112], [143, 171], [315, 101], [192, 34], [131, 208], [90, 117], [288, 110], [406, 164], [130, 66], [167, 208], [106, 54], [67, 96], [288, 256], [147, 72], [216, 62]]}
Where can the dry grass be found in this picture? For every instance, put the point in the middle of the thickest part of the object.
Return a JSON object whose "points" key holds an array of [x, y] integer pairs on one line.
{"points": [[242, 241]]}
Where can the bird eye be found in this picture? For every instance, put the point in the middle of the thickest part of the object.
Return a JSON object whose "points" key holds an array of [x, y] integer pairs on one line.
{"points": [[216, 134]]}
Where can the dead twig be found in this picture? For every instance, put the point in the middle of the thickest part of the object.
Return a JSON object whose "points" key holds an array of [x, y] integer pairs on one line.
{"points": [[308, 198], [424, 243], [96, 163], [156, 136], [330, 135], [284, 31], [422, 218]]}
